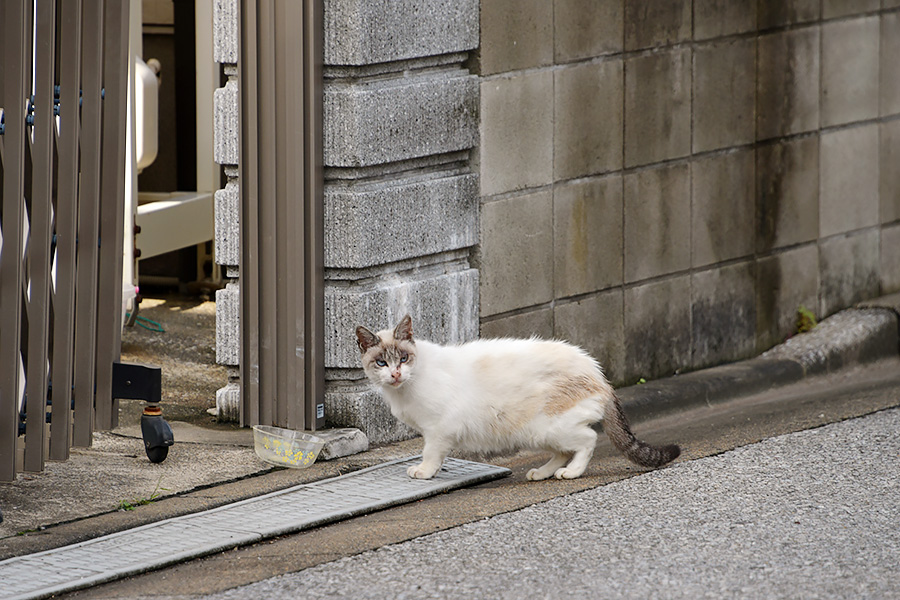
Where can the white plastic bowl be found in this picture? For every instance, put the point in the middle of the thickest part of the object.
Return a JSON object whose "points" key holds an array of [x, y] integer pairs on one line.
{"points": [[286, 447]]}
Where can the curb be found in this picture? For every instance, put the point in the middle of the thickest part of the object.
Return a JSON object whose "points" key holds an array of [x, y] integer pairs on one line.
{"points": [[850, 337]]}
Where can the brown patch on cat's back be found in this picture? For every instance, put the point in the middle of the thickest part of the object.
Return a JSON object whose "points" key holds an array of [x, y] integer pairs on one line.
{"points": [[569, 390]]}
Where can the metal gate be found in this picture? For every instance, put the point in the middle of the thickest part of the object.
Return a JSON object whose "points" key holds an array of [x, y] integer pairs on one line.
{"points": [[282, 280], [63, 88]]}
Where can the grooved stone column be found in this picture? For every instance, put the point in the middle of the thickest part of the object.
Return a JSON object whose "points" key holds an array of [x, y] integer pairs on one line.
{"points": [[226, 133], [401, 201]]}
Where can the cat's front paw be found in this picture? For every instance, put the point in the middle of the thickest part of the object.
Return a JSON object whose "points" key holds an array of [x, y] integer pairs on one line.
{"points": [[536, 475], [420, 471]]}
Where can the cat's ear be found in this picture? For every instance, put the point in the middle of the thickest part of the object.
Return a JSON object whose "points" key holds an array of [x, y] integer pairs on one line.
{"points": [[365, 339], [403, 330]]}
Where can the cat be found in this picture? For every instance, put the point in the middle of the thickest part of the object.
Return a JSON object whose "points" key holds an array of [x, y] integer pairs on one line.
{"points": [[495, 395]]}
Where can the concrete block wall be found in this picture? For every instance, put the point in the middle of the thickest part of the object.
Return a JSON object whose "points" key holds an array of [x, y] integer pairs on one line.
{"points": [[401, 198], [665, 182]]}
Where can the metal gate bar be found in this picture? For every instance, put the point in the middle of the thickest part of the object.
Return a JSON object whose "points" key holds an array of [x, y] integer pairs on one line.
{"points": [[112, 208], [12, 95], [39, 237], [314, 208], [87, 255], [66, 205]]}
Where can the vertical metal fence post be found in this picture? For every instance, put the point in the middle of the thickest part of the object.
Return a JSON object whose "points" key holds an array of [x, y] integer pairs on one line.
{"points": [[281, 267], [286, 245], [112, 208], [88, 222], [249, 287], [13, 102], [66, 213], [264, 268], [314, 296]]}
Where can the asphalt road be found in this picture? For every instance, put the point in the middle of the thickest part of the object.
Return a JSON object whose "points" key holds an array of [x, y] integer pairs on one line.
{"points": [[800, 515], [814, 514]]}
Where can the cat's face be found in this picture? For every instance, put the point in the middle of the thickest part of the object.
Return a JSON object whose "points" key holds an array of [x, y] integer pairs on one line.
{"points": [[388, 357]]}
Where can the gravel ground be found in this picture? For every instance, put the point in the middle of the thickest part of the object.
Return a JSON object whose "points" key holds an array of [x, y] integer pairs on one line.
{"points": [[814, 514], [185, 351]]}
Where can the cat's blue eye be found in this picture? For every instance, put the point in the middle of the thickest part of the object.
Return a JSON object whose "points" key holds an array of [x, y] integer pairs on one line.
{"points": [[380, 363], [404, 358]]}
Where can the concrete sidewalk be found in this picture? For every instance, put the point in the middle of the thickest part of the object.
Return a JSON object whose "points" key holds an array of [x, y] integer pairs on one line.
{"points": [[112, 486]]}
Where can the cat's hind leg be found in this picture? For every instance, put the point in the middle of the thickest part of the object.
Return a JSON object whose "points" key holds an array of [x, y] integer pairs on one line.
{"points": [[587, 440], [559, 460], [576, 466]]}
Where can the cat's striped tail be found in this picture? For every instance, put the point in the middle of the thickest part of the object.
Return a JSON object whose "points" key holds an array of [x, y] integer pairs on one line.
{"points": [[615, 424]]}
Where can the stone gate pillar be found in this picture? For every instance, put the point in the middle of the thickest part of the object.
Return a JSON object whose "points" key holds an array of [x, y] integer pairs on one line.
{"points": [[401, 196]]}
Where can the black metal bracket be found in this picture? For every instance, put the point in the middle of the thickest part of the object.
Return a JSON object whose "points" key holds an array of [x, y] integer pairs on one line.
{"points": [[137, 382]]}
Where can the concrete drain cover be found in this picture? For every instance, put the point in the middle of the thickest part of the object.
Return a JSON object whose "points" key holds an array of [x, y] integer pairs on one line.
{"points": [[174, 540]]}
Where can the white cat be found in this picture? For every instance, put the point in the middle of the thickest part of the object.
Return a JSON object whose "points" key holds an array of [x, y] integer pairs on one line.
{"points": [[490, 396]]}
